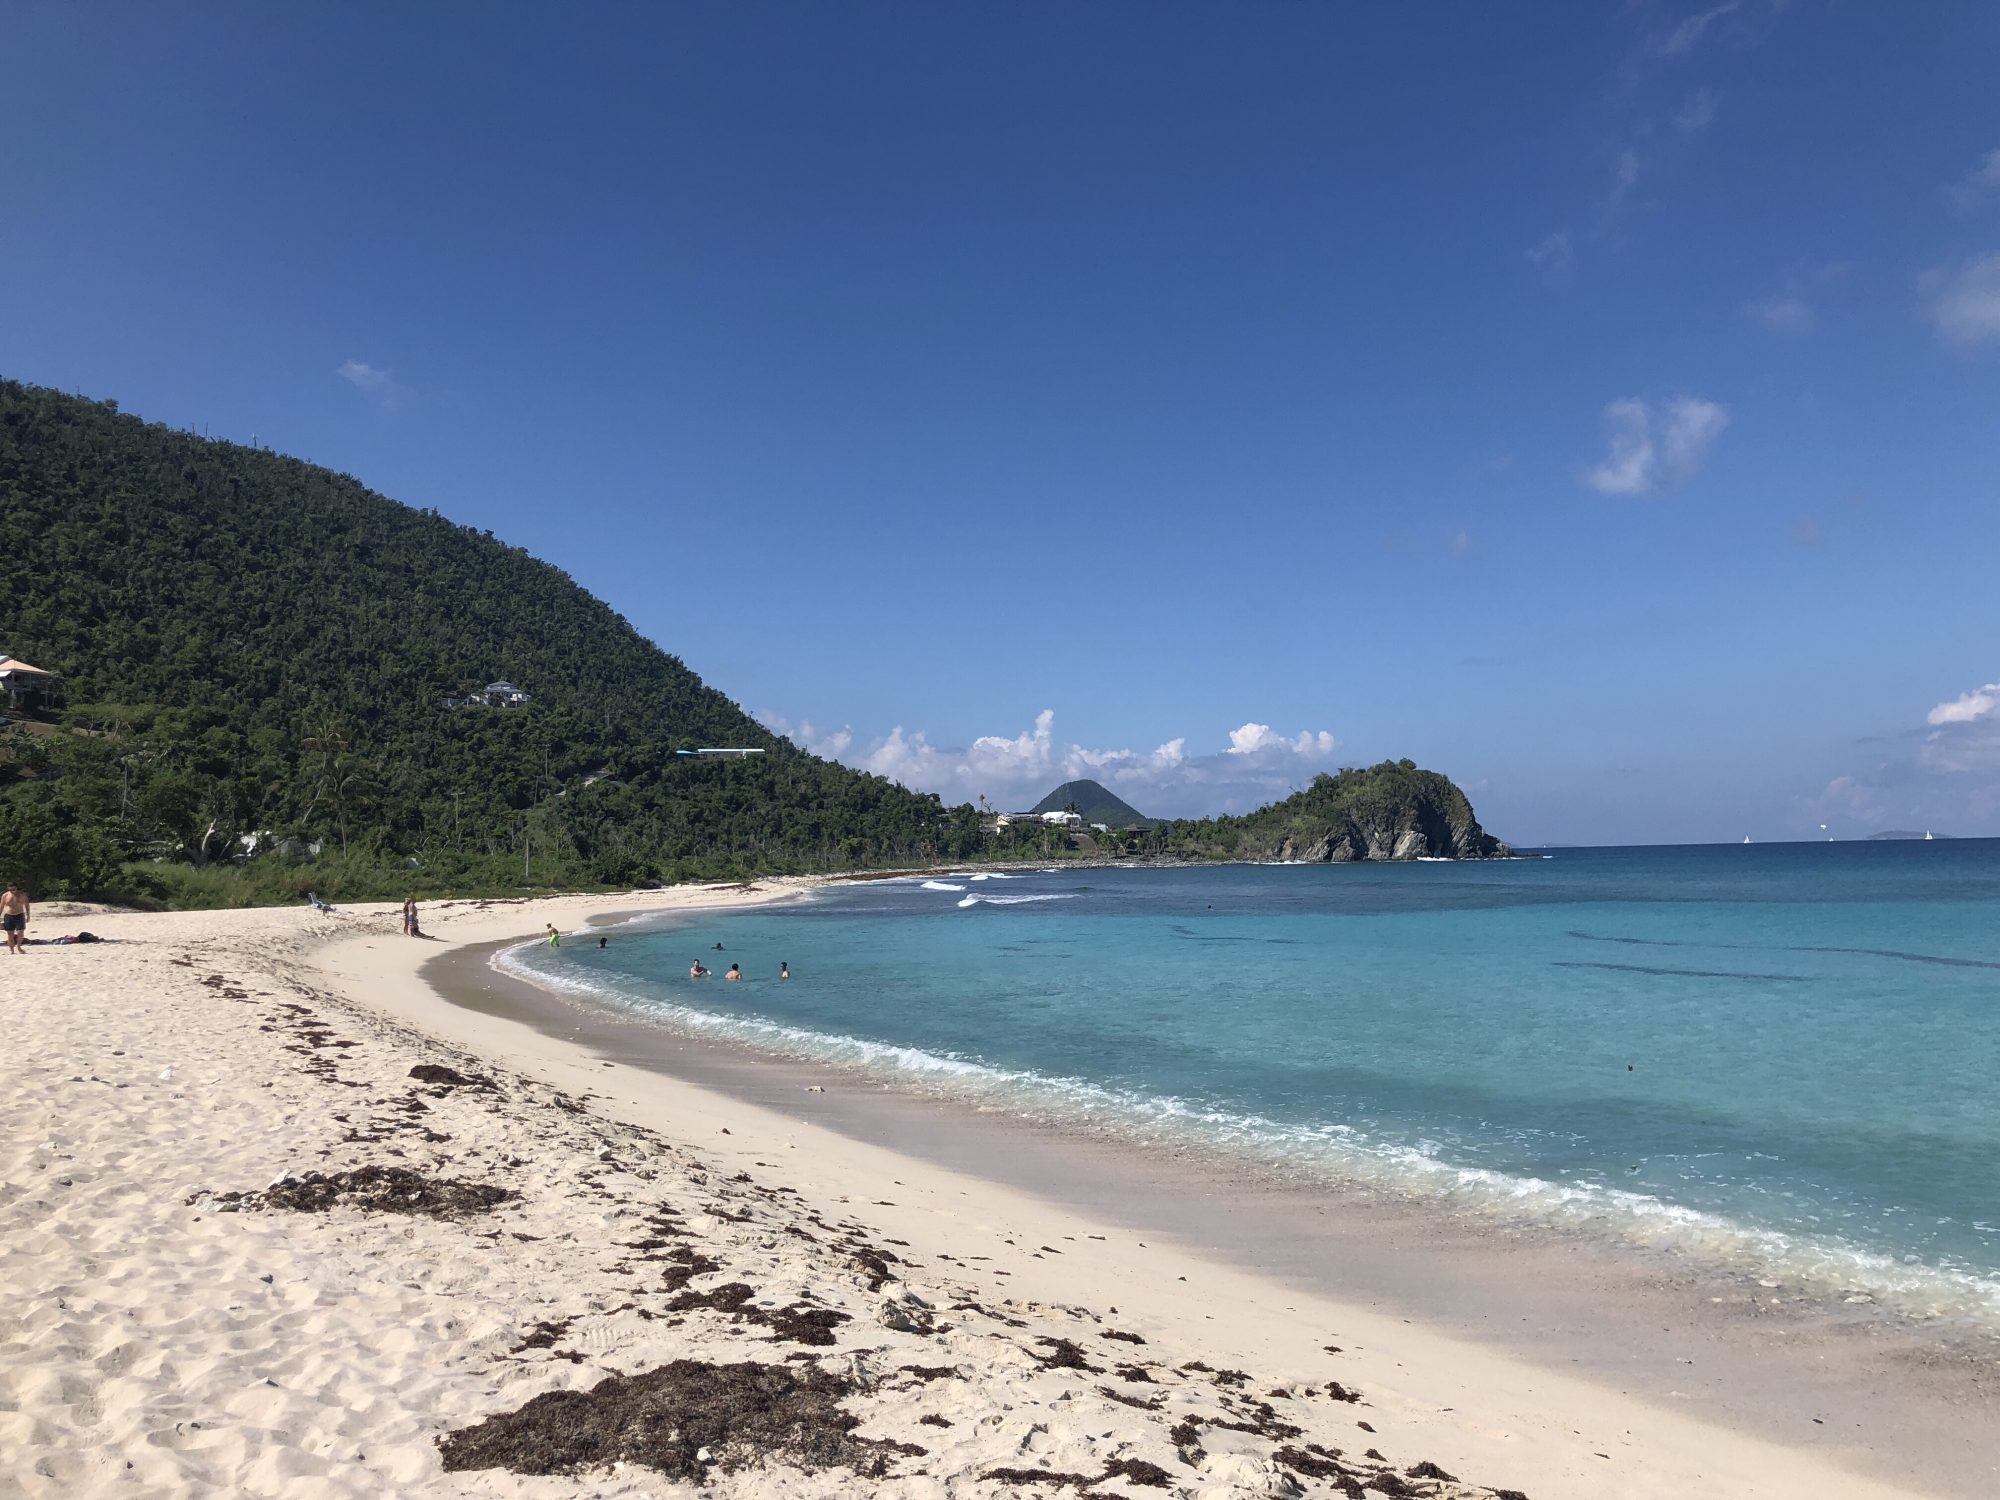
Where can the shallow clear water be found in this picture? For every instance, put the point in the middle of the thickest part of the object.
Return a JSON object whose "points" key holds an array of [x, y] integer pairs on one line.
{"points": [[1781, 1058]]}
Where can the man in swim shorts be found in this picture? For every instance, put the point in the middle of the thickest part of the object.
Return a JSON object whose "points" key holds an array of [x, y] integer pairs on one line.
{"points": [[14, 918]]}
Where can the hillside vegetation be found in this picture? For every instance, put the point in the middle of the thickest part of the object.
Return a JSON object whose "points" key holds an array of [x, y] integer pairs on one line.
{"points": [[257, 657], [252, 644], [1394, 810]]}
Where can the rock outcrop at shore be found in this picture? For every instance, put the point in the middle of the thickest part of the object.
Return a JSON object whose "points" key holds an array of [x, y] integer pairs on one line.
{"points": [[1421, 830], [1391, 811]]}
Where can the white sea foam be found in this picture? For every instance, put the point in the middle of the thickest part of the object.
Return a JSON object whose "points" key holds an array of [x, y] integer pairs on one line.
{"points": [[1329, 1150], [942, 885], [1017, 900]]}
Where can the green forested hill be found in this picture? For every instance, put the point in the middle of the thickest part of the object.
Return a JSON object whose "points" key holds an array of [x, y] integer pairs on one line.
{"points": [[1394, 810], [251, 643], [251, 647]]}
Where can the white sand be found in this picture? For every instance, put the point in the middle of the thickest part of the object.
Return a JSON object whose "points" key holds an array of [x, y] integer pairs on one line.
{"points": [[152, 1343]]}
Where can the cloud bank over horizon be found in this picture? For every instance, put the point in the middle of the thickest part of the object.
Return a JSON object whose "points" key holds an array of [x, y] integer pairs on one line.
{"points": [[1257, 765], [1943, 776]]}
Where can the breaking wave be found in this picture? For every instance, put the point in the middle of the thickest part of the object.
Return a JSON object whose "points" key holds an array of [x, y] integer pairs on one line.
{"points": [[1017, 900]]}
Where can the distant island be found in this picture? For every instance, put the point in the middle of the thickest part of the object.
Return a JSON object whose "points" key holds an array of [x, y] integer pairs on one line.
{"points": [[1094, 803], [1392, 811], [1907, 833], [234, 678]]}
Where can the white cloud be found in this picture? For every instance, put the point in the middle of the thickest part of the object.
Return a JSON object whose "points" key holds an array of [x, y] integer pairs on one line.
{"points": [[1850, 797], [1964, 300], [830, 743], [381, 384], [1258, 739], [1554, 255], [1697, 112], [1250, 739], [1964, 734], [1687, 35], [1655, 446], [1782, 314], [1943, 775], [1016, 771], [1623, 177], [1977, 185], [1790, 310], [1967, 708], [363, 375]]}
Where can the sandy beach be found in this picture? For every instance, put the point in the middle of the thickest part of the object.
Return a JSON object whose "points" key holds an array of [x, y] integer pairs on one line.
{"points": [[280, 1217]]}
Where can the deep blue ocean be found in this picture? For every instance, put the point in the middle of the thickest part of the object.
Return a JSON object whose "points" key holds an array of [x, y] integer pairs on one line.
{"points": [[1780, 1058]]}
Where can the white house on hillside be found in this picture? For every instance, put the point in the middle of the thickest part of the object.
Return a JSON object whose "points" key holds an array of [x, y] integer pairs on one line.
{"points": [[25, 686], [493, 695]]}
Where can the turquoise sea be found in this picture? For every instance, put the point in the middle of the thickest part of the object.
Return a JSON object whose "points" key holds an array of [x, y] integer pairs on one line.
{"points": [[1779, 1059]]}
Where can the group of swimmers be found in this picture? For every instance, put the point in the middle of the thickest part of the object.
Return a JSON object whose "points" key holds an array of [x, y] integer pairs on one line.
{"points": [[698, 970]]}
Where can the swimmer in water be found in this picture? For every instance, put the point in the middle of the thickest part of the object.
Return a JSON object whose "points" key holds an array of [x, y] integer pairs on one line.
{"points": [[784, 971], [602, 941], [697, 971], [734, 973]]}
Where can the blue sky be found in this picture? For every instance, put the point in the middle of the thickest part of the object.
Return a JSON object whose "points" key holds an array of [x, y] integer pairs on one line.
{"points": [[1600, 404]]}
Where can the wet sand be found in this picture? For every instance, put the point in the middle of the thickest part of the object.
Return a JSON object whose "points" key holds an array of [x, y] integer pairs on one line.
{"points": [[1907, 1404]]}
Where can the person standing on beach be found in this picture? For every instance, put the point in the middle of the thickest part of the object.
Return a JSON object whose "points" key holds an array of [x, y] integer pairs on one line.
{"points": [[555, 938], [410, 917], [14, 918]]}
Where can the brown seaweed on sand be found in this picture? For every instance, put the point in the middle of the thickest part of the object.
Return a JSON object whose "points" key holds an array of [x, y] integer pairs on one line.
{"points": [[796, 1324], [687, 1264], [684, 1419], [443, 1077], [1065, 1354], [391, 1190], [1132, 1470]]}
